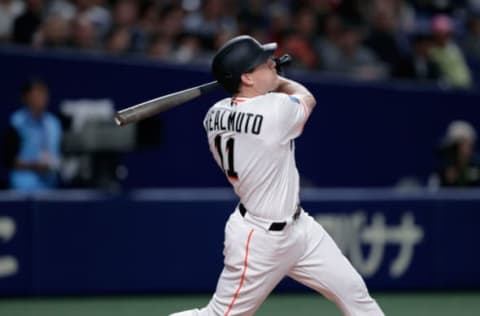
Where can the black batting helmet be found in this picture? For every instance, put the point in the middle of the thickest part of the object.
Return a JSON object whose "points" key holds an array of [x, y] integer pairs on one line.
{"points": [[239, 55]]}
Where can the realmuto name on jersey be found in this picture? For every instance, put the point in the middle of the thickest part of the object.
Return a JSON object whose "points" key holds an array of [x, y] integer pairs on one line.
{"points": [[234, 121]]}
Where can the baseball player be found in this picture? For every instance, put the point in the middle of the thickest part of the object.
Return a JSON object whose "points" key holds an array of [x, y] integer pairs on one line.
{"points": [[269, 236]]}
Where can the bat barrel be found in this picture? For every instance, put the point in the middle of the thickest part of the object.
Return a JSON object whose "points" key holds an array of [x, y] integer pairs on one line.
{"points": [[151, 107]]}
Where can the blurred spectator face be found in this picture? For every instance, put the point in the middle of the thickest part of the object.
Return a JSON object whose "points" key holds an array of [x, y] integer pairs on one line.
{"points": [[83, 33], [474, 26], [119, 41], [422, 46], [465, 149], [333, 27], [188, 49], [463, 135], [223, 36], [386, 6], [149, 18], [474, 5], [55, 31], [442, 28], [306, 22], [349, 41], [213, 9], [160, 48], [35, 5], [125, 13], [256, 5], [279, 20], [36, 98], [98, 2], [384, 21], [84, 4], [322, 6], [172, 22], [301, 50]]}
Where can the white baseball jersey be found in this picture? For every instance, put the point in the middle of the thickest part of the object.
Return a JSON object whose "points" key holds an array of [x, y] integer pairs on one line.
{"points": [[252, 141]]}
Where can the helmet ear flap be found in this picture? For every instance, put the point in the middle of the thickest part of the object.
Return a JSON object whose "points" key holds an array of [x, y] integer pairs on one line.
{"points": [[231, 84]]}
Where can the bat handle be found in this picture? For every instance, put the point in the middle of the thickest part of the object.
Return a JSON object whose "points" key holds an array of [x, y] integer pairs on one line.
{"points": [[207, 87]]}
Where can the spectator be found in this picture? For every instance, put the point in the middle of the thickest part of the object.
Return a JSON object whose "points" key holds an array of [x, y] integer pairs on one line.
{"points": [[310, 30], [223, 36], [251, 16], [447, 55], [149, 14], [382, 38], [301, 49], [118, 41], [9, 10], [431, 7], [279, 22], [53, 33], [98, 15], [28, 22], [473, 6], [125, 17], [419, 65], [403, 12], [160, 48], [125, 13], [349, 57], [189, 50], [211, 18], [459, 167], [299, 43], [471, 42], [327, 45], [33, 141], [171, 22], [65, 8], [83, 35]]}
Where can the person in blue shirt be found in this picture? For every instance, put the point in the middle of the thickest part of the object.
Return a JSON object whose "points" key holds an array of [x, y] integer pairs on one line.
{"points": [[33, 141]]}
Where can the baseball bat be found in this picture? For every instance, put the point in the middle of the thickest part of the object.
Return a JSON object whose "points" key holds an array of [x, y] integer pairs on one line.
{"points": [[151, 107]]}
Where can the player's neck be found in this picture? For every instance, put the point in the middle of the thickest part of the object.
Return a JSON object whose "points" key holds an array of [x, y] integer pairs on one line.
{"points": [[247, 92]]}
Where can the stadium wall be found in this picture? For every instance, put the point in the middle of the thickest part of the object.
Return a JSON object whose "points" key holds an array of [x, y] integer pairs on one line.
{"points": [[171, 240]]}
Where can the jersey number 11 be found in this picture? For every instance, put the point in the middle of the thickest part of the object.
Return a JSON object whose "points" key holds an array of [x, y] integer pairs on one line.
{"points": [[230, 170]]}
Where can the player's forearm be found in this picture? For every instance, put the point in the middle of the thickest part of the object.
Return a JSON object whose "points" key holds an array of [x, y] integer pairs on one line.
{"points": [[292, 87]]}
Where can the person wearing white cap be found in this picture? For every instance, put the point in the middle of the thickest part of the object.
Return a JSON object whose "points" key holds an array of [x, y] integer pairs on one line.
{"points": [[458, 151]]}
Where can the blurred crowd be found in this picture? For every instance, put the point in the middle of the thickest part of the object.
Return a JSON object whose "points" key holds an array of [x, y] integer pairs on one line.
{"points": [[427, 40]]}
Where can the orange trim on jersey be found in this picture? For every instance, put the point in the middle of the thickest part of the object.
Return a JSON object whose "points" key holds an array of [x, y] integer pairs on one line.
{"points": [[242, 279], [239, 99]]}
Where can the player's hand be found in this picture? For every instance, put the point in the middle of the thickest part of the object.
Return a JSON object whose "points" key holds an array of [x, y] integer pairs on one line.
{"points": [[281, 62]]}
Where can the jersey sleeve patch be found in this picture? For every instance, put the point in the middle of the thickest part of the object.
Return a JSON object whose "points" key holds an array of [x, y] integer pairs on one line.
{"points": [[294, 99]]}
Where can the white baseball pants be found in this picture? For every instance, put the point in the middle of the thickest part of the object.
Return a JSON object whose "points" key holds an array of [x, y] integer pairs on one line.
{"points": [[257, 259]]}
